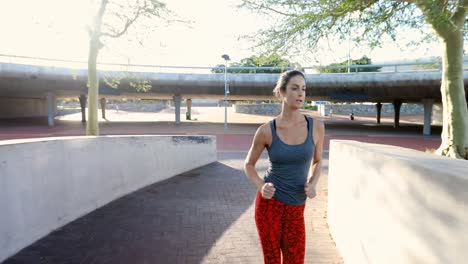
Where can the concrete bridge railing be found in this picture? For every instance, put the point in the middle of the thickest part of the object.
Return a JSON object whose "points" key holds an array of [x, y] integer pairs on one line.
{"points": [[47, 183], [395, 205], [402, 66]]}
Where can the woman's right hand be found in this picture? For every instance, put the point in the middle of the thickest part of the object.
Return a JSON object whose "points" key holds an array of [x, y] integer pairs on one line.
{"points": [[267, 190]]}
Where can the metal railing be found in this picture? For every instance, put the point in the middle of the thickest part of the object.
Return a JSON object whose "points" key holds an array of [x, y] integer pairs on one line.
{"points": [[413, 66]]}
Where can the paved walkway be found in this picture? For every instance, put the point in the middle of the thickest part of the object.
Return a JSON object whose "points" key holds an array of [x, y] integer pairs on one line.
{"points": [[202, 216]]}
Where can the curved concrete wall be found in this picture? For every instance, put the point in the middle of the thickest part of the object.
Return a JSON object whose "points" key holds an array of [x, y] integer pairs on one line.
{"points": [[395, 205], [46, 183]]}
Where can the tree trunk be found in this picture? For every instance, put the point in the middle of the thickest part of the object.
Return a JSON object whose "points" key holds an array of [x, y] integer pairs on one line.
{"points": [[455, 112], [92, 127]]}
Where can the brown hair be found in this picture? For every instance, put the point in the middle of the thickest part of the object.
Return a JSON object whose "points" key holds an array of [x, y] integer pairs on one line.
{"points": [[283, 81]]}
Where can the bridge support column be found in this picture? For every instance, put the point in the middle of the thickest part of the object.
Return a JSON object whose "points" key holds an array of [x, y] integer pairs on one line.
{"points": [[428, 103], [83, 108], [177, 101], [189, 109], [379, 111], [50, 109], [103, 107], [396, 107]]}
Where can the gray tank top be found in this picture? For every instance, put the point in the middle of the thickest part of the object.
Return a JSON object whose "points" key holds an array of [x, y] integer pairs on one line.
{"points": [[289, 166]]}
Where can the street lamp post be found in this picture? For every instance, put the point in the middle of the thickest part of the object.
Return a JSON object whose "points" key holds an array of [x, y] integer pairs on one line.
{"points": [[226, 91], [349, 48]]}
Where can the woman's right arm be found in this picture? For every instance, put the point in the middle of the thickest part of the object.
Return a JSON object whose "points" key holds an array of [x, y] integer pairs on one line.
{"points": [[260, 141]]}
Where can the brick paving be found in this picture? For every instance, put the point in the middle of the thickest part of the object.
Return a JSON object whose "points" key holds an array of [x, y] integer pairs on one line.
{"points": [[202, 216]]}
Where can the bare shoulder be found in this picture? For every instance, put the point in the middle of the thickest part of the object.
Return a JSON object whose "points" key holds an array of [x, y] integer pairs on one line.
{"points": [[264, 129], [263, 134], [318, 130], [318, 124]]}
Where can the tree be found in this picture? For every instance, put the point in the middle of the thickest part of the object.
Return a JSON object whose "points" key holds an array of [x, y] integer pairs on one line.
{"points": [[309, 21], [113, 19], [362, 61], [272, 60]]}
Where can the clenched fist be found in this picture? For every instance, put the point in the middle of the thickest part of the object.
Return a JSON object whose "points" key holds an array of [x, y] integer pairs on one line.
{"points": [[267, 190], [310, 190]]}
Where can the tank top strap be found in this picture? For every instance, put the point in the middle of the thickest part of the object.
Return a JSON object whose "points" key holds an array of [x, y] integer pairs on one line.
{"points": [[273, 129], [311, 127]]}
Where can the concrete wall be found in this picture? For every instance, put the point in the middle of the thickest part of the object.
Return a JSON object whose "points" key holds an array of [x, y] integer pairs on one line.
{"points": [[134, 105], [22, 107], [370, 109], [46, 183], [258, 109], [395, 205]]}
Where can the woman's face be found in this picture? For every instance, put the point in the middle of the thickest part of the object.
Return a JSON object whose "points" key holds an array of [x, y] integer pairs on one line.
{"points": [[295, 93]]}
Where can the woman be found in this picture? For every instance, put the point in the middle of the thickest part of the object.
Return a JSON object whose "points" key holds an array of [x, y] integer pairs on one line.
{"points": [[294, 143]]}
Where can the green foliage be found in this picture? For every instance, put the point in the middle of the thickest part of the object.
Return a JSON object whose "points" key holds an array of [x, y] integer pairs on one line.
{"points": [[311, 107], [306, 22], [362, 61], [135, 80], [273, 60]]}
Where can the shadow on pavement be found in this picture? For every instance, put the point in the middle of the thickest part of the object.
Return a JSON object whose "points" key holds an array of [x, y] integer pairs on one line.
{"points": [[175, 221]]}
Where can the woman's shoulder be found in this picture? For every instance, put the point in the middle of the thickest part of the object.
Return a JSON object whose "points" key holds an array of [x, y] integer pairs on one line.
{"points": [[317, 122], [265, 128], [312, 117], [263, 135]]}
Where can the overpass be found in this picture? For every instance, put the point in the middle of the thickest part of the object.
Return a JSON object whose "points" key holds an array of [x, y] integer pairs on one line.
{"points": [[35, 87]]}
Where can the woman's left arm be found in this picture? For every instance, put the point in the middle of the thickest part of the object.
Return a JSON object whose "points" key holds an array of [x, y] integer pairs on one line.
{"points": [[316, 166]]}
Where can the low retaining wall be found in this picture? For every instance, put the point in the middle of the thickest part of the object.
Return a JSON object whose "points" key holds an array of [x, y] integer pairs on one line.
{"points": [[258, 109], [46, 183], [389, 204], [370, 109]]}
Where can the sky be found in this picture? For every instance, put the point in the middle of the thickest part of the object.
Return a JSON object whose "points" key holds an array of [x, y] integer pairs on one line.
{"points": [[57, 29]]}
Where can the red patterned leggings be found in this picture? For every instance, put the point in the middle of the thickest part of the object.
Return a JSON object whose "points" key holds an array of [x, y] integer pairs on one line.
{"points": [[281, 230]]}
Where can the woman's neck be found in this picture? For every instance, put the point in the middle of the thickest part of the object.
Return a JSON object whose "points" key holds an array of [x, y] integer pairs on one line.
{"points": [[289, 115]]}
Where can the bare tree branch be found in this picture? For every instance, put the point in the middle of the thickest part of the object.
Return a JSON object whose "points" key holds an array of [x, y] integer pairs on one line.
{"points": [[255, 5], [460, 13], [98, 19], [128, 23], [464, 3]]}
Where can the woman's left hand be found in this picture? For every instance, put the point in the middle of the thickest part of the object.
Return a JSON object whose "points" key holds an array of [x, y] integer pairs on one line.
{"points": [[310, 190]]}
